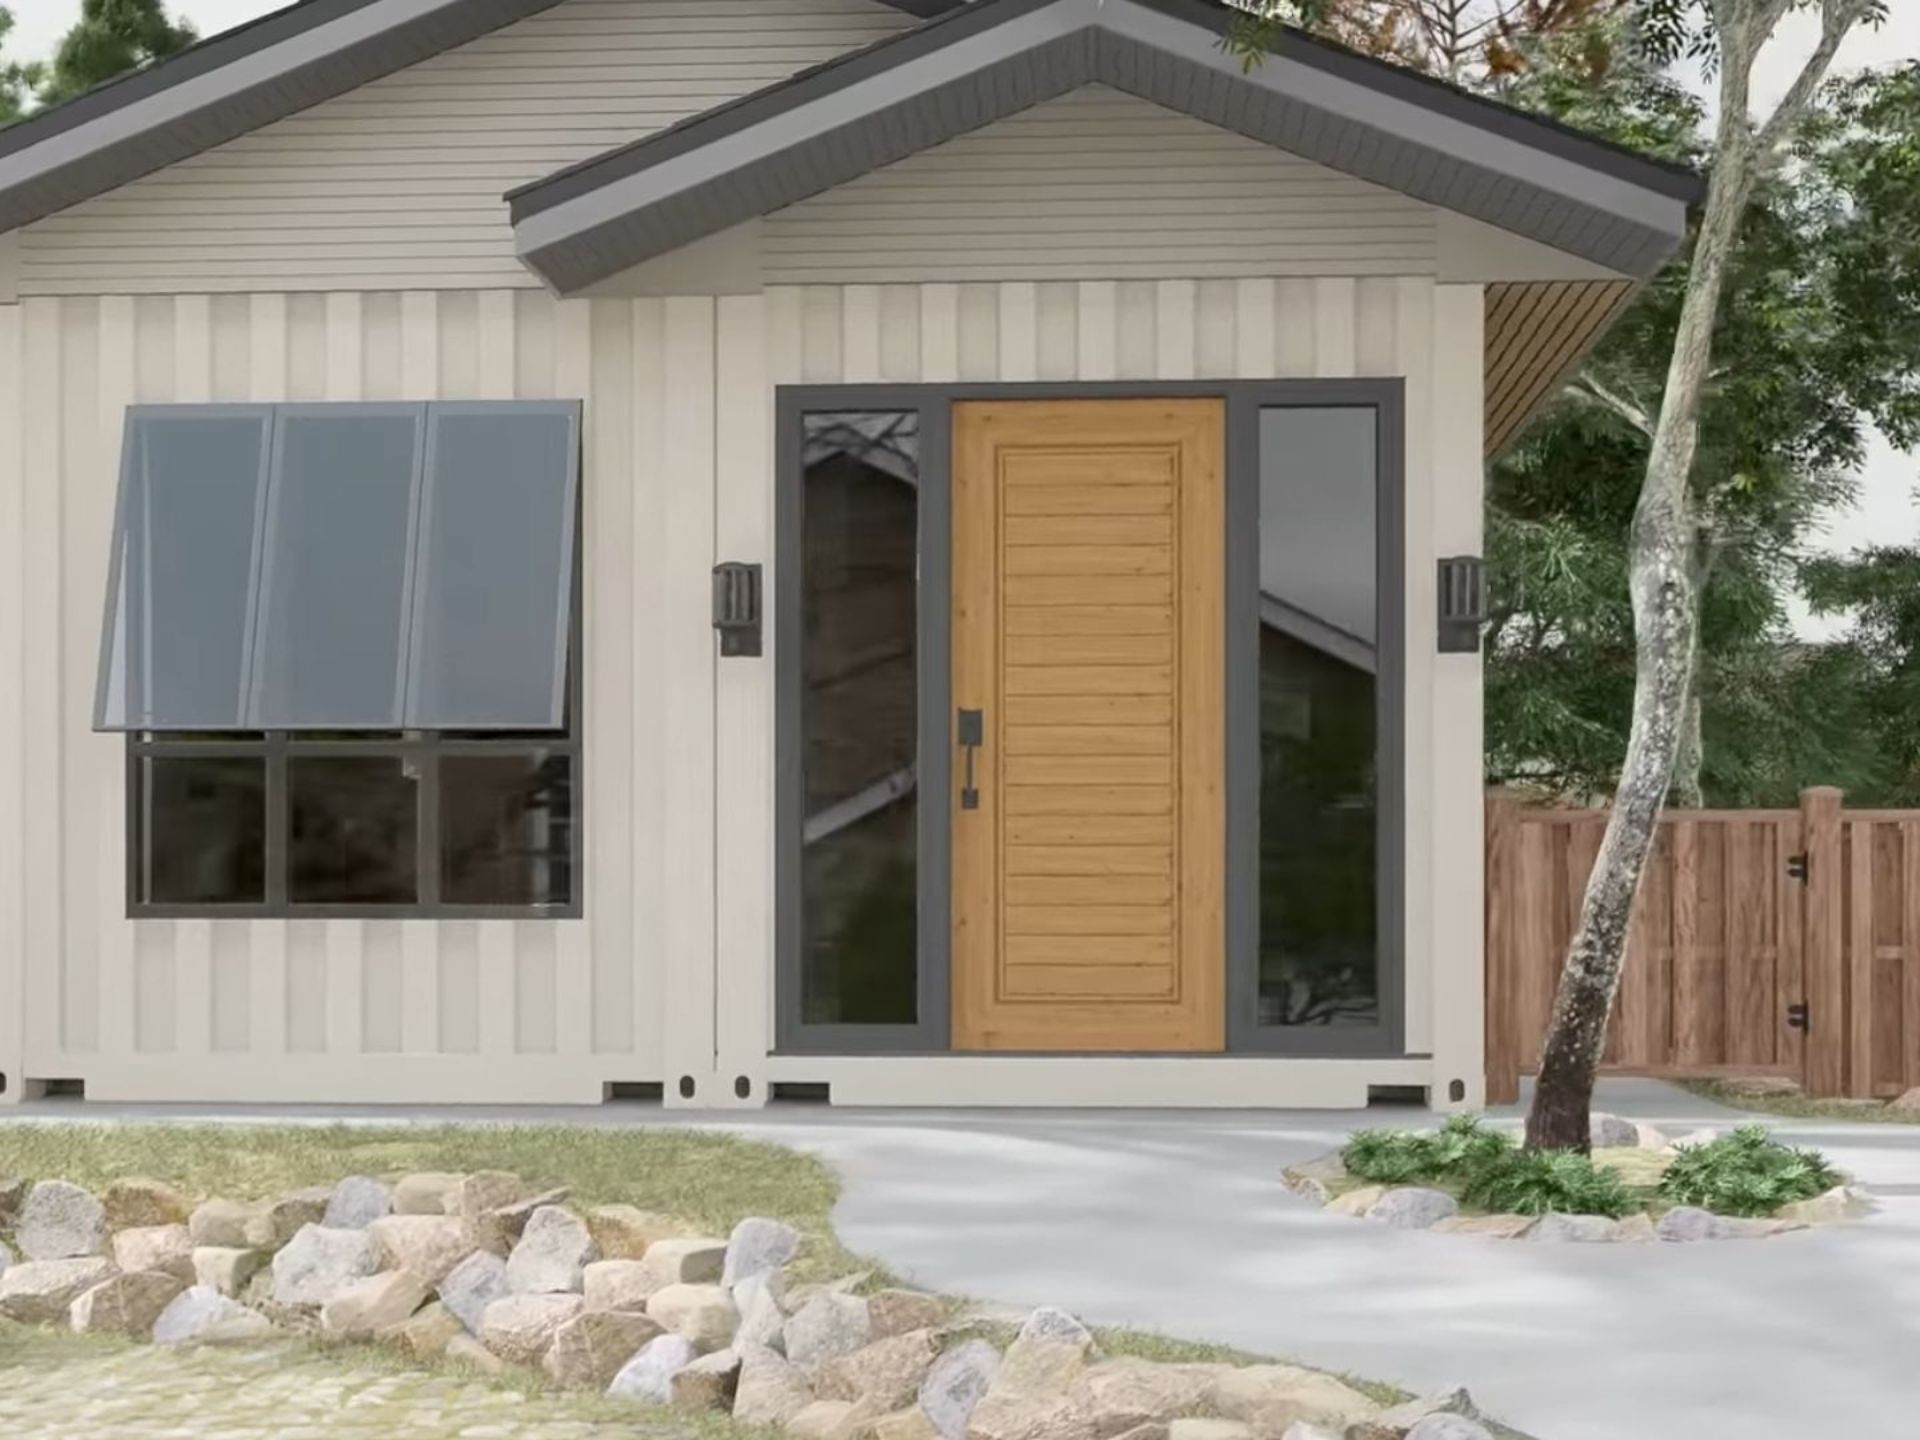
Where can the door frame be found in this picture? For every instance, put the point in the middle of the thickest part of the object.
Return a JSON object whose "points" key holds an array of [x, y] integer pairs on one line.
{"points": [[1244, 400]]}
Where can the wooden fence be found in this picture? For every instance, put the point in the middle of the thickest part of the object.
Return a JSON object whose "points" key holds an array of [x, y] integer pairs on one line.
{"points": [[1763, 942]]}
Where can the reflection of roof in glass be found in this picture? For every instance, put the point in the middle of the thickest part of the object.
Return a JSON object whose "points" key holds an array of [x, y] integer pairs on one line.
{"points": [[886, 440]]}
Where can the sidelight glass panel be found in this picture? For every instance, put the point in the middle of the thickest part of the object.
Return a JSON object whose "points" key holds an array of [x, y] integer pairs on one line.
{"points": [[334, 589], [490, 638], [352, 823], [174, 650], [859, 723], [1319, 810]]}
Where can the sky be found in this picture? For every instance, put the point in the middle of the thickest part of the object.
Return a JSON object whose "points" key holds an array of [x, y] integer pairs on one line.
{"points": [[1888, 511]]}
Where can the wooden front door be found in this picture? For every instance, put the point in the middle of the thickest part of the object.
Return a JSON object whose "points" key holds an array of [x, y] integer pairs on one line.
{"points": [[1088, 654]]}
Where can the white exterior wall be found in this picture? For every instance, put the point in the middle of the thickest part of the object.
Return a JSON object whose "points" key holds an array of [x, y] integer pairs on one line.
{"points": [[670, 973]]}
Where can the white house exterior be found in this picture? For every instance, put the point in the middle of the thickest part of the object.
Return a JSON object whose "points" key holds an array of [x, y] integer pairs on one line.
{"points": [[1005, 214]]}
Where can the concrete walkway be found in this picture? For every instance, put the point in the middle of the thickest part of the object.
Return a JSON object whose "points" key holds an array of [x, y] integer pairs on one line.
{"points": [[1176, 1222]]}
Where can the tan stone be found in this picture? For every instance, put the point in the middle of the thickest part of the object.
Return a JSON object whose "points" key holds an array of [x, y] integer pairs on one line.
{"points": [[1356, 1202], [1636, 1229], [379, 1302], [623, 1232], [682, 1261], [590, 1348], [227, 1268], [1494, 1227], [771, 1390], [498, 1230], [1835, 1205], [1272, 1397], [40, 1292], [708, 1383], [426, 1334], [886, 1373], [270, 1226], [1029, 1398], [487, 1190], [1127, 1392], [895, 1312], [1393, 1423], [428, 1245], [908, 1424], [139, 1203], [124, 1304], [829, 1420], [519, 1328], [220, 1222], [703, 1314], [1321, 1174], [463, 1349], [165, 1248], [1191, 1427], [618, 1285], [424, 1193], [1908, 1100]]}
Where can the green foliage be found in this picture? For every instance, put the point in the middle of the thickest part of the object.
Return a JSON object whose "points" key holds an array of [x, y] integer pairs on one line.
{"points": [[17, 80], [110, 38], [1537, 1182], [1746, 1172], [1457, 1150]]}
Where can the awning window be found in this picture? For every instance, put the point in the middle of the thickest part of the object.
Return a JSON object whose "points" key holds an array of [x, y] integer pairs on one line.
{"points": [[342, 567]]}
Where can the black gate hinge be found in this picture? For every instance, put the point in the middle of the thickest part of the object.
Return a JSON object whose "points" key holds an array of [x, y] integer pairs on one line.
{"points": [[1797, 866]]}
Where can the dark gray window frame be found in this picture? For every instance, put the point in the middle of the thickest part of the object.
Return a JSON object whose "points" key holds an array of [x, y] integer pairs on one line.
{"points": [[423, 747], [1244, 399]]}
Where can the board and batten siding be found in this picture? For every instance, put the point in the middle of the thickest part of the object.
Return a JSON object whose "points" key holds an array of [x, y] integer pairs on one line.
{"points": [[670, 973], [1098, 183], [399, 183]]}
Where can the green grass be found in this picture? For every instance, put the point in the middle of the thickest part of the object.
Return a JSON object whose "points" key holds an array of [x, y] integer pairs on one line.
{"points": [[710, 1181], [1801, 1107]]}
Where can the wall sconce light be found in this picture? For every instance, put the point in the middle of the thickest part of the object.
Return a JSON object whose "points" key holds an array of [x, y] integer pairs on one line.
{"points": [[1463, 603]]}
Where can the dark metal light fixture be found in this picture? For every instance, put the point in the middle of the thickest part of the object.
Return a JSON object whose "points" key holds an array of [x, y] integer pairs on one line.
{"points": [[736, 607], [1463, 603]]}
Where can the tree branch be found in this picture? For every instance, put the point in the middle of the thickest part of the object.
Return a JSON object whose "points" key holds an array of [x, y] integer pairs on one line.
{"points": [[1837, 17], [1620, 405]]}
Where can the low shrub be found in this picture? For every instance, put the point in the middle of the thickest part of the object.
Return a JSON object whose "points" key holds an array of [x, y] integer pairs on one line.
{"points": [[1535, 1182], [1406, 1157], [1746, 1172]]}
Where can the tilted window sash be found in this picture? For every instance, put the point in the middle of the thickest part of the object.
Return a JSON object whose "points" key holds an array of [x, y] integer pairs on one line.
{"points": [[341, 567]]}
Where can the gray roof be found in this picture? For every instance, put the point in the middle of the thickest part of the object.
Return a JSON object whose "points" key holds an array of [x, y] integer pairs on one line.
{"points": [[987, 59], [232, 83]]}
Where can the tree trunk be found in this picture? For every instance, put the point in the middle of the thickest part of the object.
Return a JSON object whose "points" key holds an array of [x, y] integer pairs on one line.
{"points": [[1686, 791]]}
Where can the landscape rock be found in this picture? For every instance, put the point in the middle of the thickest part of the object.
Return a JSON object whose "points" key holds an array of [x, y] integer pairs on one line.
{"points": [[550, 1254], [1587, 1229], [1908, 1100], [1413, 1207], [1496, 1227], [1124, 1394], [1199, 1427], [756, 1246], [845, 1285], [519, 1328], [1689, 1222], [678, 1260], [201, 1315], [426, 1334], [269, 1226], [59, 1221], [463, 1349], [888, 1373], [40, 1292], [472, 1285], [356, 1203], [482, 1191], [1607, 1132], [1054, 1326], [826, 1420], [1650, 1138], [166, 1248], [702, 1314], [124, 1304], [618, 1284], [13, 1194], [1321, 1173], [827, 1327], [912, 1424], [220, 1222], [762, 1322], [954, 1386], [1636, 1229], [1272, 1397], [379, 1302], [1692, 1137], [499, 1230], [6, 1256], [623, 1232], [1029, 1398], [770, 1391], [708, 1383], [590, 1349], [649, 1374], [1449, 1427], [424, 1193], [1394, 1422], [428, 1245], [137, 1204], [320, 1261], [1356, 1202], [895, 1312], [1835, 1205]]}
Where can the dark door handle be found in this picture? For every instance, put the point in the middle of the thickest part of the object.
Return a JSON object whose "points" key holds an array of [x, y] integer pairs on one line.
{"points": [[972, 727]]}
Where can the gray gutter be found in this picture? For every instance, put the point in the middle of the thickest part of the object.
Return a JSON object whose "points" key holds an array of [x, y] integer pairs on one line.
{"points": [[990, 58]]}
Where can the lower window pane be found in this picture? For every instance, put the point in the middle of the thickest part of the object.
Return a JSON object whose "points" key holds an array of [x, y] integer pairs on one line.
{"points": [[203, 825], [352, 823], [506, 829]]}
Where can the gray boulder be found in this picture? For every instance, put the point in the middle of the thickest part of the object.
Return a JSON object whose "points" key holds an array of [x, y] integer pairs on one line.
{"points": [[428, 1245], [1413, 1207], [756, 1246], [762, 1324], [1449, 1427], [954, 1385], [356, 1203], [1610, 1132], [709, 1383], [59, 1221], [771, 1390], [472, 1285], [592, 1347], [550, 1254], [1689, 1222], [124, 1305], [827, 1327], [156, 1247], [649, 1374], [320, 1261], [269, 1226], [220, 1223], [203, 1316], [1580, 1229], [39, 1292], [885, 1375], [519, 1328]]}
